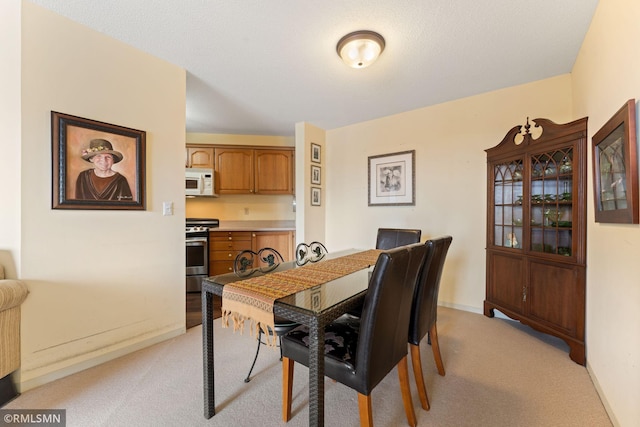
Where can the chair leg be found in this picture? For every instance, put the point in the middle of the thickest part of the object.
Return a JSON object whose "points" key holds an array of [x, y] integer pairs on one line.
{"points": [[403, 375], [246, 380], [287, 387], [435, 346], [366, 415], [416, 362]]}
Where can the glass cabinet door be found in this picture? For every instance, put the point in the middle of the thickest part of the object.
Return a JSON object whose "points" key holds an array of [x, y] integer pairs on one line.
{"points": [[508, 210], [551, 202]]}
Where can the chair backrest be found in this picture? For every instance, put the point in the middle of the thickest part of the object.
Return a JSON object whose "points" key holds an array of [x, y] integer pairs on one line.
{"points": [[267, 259], [424, 308], [313, 252], [389, 238], [384, 321]]}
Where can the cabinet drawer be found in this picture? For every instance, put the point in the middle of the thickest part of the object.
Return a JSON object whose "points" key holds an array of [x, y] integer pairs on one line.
{"points": [[220, 267], [218, 236], [229, 245], [215, 256]]}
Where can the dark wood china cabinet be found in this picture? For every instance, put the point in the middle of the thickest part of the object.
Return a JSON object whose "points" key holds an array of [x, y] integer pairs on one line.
{"points": [[536, 229]]}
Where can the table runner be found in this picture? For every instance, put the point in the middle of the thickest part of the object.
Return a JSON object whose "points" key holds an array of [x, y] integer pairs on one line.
{"points": [[252, 299]]}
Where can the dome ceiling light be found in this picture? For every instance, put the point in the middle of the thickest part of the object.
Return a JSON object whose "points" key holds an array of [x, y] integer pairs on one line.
{"points": [[360, 48]]}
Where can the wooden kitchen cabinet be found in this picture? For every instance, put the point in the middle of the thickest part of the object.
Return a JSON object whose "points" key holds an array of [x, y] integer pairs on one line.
{"points": [[274, 171], [281, 241], [246, 170], [234, 169], [199, 157], [536, 230], [224, 246]]}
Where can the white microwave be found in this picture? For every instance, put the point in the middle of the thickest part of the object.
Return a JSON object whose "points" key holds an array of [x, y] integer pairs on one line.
{"points": [[199, 182]]}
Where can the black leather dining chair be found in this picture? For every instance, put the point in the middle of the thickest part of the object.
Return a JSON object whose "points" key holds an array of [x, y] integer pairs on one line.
{"points": [[388, 238], [245, 264], [424, 311], [360, 352]]}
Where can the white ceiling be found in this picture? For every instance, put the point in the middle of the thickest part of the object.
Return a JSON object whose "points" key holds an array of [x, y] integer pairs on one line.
{"points": [[260, 66]]}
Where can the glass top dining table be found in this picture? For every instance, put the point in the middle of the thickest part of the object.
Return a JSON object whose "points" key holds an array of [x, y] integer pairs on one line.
{"points": [[314, 307]]}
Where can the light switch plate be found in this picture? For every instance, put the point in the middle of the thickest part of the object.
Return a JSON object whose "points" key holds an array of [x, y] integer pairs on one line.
{"points": [[167, 208]]}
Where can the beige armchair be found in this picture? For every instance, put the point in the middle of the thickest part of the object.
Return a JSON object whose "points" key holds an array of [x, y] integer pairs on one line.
{"points": [[12, 294]]}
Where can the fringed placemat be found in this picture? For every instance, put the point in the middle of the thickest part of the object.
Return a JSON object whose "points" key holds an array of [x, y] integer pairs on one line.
{"points": [[252, 299]]}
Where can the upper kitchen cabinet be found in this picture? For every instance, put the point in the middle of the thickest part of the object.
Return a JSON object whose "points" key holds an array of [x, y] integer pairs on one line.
{"points": [[234, 167], [252, 170], [199, 157], [274, 171]]}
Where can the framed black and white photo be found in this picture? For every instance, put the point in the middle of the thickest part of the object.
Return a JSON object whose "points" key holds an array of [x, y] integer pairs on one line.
{"points": [[316, 196], [96, 165], [316, 178], [315, 153], [392, 179]]}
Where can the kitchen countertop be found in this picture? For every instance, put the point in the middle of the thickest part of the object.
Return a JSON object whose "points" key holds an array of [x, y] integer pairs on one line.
{"points": [[256, 226]]}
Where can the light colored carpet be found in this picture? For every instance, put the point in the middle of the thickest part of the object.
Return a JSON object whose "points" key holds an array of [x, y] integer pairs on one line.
{"points": [[498, 373]]}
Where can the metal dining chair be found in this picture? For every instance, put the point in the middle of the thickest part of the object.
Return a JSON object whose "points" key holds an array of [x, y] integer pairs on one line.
{"points": [[312, 252], [245, 264], [248, 262], [360, 352], [424, 311]]}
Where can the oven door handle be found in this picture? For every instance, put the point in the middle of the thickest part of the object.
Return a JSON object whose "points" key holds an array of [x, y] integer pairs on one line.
{"points": [[196, 242]]}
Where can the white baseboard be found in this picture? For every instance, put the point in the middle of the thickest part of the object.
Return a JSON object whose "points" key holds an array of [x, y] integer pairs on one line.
{"points": [[461, 307], [92, 361], [602, 395], [478, 310]]}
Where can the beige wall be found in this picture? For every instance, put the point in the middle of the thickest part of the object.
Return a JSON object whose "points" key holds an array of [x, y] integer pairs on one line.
{"points": [[449, 140], [101, 282], [229, 139], [607, 74], [241, 207], [310, 220], [10, 129]]}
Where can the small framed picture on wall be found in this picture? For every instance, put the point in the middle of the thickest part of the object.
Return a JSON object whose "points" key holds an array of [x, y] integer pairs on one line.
{"points": [[316, 197], [315, 153], [315, 175]]}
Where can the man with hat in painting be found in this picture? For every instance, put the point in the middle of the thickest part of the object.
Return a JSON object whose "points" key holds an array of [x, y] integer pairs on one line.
{"points": [[102, 182]]}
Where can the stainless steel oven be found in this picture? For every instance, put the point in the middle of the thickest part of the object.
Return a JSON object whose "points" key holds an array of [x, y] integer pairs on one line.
{"points": [[197, 251]]}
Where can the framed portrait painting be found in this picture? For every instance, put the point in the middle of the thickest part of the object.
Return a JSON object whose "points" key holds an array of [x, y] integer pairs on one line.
{"points": [[96, 165], [615, 168], [392, 179]]}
